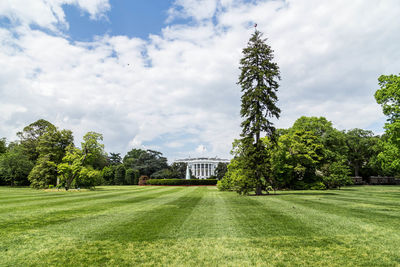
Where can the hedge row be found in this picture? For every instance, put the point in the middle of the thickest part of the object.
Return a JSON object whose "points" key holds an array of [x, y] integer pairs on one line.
{"points": [[181, 182]]}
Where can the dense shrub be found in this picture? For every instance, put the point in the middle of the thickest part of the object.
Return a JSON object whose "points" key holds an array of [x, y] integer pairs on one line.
{"points": [[131, 176], [119, 173], [181, 182], [143, 179], [87, 178]]}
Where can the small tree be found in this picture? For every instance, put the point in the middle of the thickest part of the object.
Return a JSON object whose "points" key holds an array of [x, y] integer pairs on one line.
{"points": [[44, 173]]}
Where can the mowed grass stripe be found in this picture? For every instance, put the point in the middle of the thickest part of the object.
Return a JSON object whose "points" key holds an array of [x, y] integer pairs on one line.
{"points": [[209, 218], [200, 226], [158, 221], [359, 237], [111, 225], [60, 214], [349, 212], [54, 196], [258, 219], [64, 199]]}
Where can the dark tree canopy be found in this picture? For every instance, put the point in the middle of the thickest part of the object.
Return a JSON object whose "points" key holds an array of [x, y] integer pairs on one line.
{"points": [[146, 162], [3, 145], [30, 135], [15, 166], [221, 170], [114, 158], [178, 170], [361, 144]]}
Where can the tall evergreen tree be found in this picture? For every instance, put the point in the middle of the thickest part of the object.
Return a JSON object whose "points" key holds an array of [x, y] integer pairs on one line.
{"points": [[259, 82]]}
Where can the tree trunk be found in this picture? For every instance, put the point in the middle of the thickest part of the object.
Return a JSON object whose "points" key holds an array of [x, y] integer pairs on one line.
{"points": [[356, 170], [258, 190]]}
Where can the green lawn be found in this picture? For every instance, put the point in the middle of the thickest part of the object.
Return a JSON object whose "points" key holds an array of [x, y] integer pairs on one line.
{"points": [[131, 225]]}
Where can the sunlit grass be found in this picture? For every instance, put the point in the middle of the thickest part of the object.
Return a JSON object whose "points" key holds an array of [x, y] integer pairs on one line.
{"points": [[131, 225]]}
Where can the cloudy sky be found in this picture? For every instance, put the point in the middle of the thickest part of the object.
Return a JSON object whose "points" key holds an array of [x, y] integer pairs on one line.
{"points": [[162, 74]]}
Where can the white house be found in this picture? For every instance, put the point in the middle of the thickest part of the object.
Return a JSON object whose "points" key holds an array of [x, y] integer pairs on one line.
{"points": [[202, 168]]}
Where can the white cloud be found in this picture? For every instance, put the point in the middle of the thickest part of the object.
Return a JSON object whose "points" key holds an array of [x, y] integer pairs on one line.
{"points": [[48, 13], [177, 91]]}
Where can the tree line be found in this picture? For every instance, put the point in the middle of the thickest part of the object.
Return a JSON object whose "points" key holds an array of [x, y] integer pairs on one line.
{"points": [[45, 156], [311, 154]]}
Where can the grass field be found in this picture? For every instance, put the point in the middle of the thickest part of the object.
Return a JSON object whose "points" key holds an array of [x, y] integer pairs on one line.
{"points": [[131, 225]]}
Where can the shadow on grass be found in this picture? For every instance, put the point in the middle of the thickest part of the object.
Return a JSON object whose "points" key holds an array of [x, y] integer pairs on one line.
{"points": [[294, 193]]}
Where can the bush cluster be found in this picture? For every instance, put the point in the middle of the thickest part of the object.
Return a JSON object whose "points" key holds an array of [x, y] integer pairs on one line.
{"points": [[181, 182]]}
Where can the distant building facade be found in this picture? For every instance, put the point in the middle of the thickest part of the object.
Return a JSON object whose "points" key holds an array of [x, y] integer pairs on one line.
{"points": [[201, 168]]}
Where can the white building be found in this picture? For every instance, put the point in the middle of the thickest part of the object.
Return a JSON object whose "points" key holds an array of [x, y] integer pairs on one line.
{"points": [[202, 168]]}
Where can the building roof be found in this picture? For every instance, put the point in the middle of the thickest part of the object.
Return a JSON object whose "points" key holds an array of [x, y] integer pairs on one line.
{"points": [[202, 159]]}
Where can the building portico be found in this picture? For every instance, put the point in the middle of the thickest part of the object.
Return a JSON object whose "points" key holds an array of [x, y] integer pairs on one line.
{"points": [[201, 168]]}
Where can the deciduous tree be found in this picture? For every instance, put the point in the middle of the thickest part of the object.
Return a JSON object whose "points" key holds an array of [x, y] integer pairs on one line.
{"points": [[15, 166]]}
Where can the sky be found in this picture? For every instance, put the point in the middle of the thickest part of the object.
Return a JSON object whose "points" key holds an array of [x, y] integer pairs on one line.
{"points": [[162, 74]]}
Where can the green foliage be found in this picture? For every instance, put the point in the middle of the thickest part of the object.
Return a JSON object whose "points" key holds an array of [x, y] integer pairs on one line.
{"points": [[71, 166], [15, 166], [388, 96], [235, 178], [389, 158], [309, 155], [146, 162], [30, 136], [131, 177], [296, 158], [3, 146], [114, 159], [53, 143], [220, 171], [336, 175], [361, 149], [87, 178], [178, 170], [44, 173], [181, 182], [164, 174], [108, 174], [95, 155], [334, 141], [73, 172], [119, 178], [45, 145], [259, 82]]}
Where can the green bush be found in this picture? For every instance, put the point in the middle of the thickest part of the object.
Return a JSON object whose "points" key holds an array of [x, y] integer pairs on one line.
{"points": [[300, 185], [181, 182], [318, 186]]}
